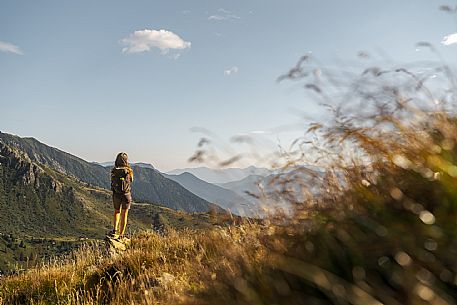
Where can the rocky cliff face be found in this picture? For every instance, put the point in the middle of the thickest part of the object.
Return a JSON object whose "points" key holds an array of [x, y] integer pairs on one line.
{"points": [[25, 171], [36, 200]]}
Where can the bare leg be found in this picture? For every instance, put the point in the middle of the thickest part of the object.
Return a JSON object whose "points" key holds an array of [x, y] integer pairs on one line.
{"points": [[117, 214], [124, 214]]}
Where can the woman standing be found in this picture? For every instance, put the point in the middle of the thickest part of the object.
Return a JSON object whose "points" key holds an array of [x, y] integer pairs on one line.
{"points": [[121, 185]]}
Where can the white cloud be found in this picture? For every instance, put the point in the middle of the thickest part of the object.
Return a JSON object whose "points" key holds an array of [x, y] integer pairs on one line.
{"points": [[10, 48], [145, 40], [261, 132], [232, 70], [449, 39], [216, 17], [223, 14]]}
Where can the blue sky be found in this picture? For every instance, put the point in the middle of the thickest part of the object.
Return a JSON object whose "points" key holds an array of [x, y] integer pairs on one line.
{"points": [[75, 75]]}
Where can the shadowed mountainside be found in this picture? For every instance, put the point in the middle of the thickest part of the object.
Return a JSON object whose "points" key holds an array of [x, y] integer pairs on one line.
{"points": [[165, 191], [227, 199]]}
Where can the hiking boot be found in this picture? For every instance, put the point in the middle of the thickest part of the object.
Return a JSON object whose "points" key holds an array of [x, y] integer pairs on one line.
{"points": [[113, 234]]}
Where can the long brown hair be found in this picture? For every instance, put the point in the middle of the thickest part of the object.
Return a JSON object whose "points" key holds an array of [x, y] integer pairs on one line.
{"points": [[122, 160]]}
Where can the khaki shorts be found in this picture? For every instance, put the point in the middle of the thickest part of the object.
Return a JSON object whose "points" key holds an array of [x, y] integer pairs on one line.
{"points": [[124, 200]]}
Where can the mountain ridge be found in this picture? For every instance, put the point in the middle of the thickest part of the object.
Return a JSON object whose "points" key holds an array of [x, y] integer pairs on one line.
{"points": [[225, 198], [111, 164], [148, 186], [222, 175]]}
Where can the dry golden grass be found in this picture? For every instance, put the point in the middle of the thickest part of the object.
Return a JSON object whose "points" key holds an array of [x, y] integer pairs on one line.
{"points": [[91, 275], [156, 269]]}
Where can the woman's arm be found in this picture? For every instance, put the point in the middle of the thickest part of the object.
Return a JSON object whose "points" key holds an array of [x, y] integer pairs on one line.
{"points": [[131, 174]]}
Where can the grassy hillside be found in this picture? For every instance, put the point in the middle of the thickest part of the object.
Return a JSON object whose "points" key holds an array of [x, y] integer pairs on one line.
{"points": [[19, 251], [40, 201], [47, 213]]}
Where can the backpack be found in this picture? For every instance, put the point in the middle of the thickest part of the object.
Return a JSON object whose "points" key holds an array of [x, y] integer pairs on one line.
{"points": [[120, 180]]}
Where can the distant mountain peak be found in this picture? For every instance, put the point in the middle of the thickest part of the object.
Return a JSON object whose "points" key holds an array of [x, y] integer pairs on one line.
{"points": [[222, 175], [145, 165], [111, 164], [224, 198]]}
